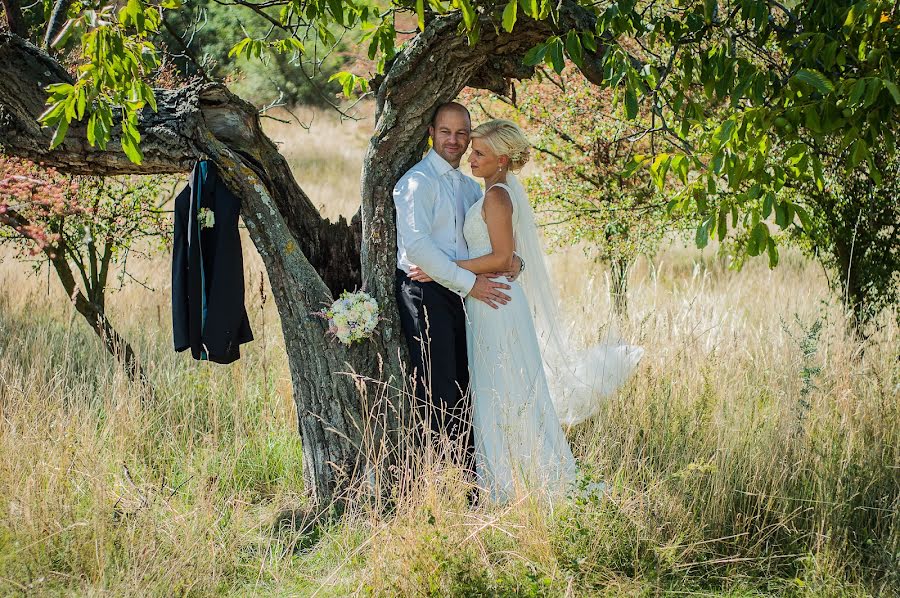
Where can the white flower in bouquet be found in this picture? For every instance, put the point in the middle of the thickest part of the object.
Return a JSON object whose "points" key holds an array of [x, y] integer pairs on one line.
{"points": [[352, 317]]}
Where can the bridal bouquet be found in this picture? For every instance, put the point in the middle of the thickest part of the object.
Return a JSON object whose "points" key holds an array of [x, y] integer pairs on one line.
{"points": [[352, 317]]}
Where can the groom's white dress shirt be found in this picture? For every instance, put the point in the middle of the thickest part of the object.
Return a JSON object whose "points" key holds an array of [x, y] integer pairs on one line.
{"points": [[432, 199]]}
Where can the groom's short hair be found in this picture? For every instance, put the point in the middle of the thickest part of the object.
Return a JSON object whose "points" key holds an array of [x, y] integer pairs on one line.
{"points": [[452, 106]]}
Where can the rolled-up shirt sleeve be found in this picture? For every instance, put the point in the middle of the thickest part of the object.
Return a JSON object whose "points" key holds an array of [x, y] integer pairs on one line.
{"points": [[414, 197]]}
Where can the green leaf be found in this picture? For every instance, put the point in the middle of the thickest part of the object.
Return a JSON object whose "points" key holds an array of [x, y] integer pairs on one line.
{"points": [[859, 152], [873, 87], [758, 237], [337, 10], [149, 96], [659, 168], [702, 235], [631, 102], [509, 15], [420, 14], [92, 129], [130, 146], [772, 250], [859, 88], [892, 88], [813, 123], [52, 114], [874, 172], [634, 164], [817, 172], [851, 16], [589, 41], [781, 215], [573, 47], [722, 225], [468, 13], [60, 133], [709, 10], [814, 79], [131, 140], [239, 48], [345, 80], [59, 90], [80, 103], [555, 57], [535, 55], [768, 202], [724, 133]]}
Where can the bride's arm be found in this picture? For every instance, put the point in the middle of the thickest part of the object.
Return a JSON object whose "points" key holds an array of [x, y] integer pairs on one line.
{"points": [[498, 210]]}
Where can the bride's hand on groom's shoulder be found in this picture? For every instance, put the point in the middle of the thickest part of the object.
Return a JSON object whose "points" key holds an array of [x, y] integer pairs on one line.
{"points": [[489, 291]]}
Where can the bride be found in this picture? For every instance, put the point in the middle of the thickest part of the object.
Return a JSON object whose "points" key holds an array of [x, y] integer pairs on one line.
{"points": [[524, 377]]}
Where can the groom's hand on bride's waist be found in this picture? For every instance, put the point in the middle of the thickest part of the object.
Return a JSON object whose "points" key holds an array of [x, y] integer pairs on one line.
{"points": [[489, 291]]}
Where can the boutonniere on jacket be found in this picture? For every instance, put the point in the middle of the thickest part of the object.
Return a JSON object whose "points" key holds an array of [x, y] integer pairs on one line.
{"points": [[206, 218]]}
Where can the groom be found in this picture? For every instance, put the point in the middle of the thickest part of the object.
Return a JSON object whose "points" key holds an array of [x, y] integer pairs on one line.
{"points": [[431, 201]]}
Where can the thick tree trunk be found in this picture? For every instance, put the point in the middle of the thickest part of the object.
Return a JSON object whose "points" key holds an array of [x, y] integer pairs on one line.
{"points": [[57, 20], [618, 289], [308, 258]]}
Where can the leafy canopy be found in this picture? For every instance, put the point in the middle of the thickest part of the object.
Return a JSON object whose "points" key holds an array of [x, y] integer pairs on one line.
{"points": [[745, 91]]}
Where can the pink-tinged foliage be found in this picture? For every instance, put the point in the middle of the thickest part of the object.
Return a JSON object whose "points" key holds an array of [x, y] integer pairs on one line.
{"points": [[93, 221], [31, 197]]}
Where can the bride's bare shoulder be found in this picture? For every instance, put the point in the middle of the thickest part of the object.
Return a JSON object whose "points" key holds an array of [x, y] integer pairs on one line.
{"points": [[497, 197]]}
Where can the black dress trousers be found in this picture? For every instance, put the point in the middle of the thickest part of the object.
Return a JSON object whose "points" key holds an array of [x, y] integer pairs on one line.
{"points": [[434, 324]]}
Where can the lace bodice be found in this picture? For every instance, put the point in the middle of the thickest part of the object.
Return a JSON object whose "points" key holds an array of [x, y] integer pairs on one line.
{"points": [[475, 228]]}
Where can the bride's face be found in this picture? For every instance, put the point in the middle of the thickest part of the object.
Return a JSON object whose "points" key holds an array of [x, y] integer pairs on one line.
{"points": [[483, 160]]}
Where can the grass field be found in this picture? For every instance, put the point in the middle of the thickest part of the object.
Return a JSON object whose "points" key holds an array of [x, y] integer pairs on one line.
{"points": [[754, 453]]}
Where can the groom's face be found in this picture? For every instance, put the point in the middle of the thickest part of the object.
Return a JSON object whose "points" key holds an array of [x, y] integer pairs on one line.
{"points": [[450, 135]]}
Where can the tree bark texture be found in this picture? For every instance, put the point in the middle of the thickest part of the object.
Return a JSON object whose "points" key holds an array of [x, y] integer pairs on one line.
{"points": [[618, 289]]}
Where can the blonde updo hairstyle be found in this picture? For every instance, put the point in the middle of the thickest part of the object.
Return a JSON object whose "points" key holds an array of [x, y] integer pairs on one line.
{"points": [[505, 138]]}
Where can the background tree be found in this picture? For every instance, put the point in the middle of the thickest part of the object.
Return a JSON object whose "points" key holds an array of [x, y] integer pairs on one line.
{"points": [[82, 227], [676, 60], [583, 141], [747, 120], [854, 232]]}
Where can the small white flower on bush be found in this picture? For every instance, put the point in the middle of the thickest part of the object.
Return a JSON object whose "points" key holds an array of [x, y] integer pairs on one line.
{"points": [[352, 317], [206, 217]]}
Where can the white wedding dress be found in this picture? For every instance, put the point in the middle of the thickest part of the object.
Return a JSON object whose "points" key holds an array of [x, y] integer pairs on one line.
{"points": [[520, 445]]}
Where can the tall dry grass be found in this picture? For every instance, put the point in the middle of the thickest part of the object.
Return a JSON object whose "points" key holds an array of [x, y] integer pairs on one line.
{"points": [[755, 452]]}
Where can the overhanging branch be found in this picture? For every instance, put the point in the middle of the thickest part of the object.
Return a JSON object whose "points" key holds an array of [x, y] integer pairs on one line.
{"points": [[188, 121], [25, 70]]}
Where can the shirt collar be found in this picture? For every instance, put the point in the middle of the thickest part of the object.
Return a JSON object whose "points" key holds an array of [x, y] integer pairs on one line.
{"points": [[439, 164]]}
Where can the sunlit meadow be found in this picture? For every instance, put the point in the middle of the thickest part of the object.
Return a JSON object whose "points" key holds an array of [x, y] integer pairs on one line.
{"points": [[755, 452]]}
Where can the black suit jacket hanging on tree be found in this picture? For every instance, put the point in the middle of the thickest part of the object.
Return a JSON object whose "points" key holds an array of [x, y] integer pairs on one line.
{"points": [[208, 312]]}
